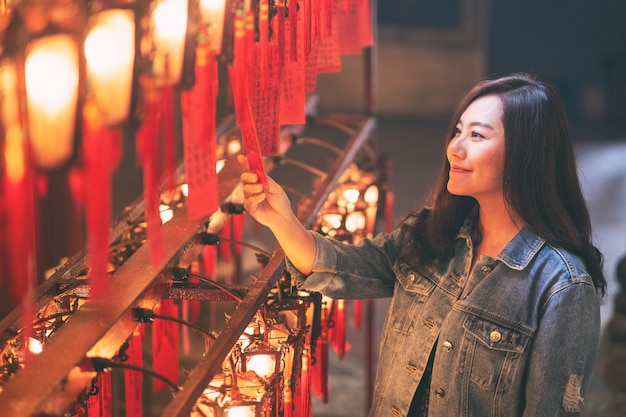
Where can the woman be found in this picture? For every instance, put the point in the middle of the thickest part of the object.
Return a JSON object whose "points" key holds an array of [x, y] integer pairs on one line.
{"points": [[496, 286]]}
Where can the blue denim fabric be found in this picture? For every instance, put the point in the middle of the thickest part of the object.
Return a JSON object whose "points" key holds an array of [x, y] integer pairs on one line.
{"points": [[520, 340]]}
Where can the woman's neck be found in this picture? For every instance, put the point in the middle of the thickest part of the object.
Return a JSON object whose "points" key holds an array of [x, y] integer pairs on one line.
{"points": [[497, 227]]}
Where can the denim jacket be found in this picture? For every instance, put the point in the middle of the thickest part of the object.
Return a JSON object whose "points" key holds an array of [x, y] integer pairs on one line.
{"points": [[519, 340]]}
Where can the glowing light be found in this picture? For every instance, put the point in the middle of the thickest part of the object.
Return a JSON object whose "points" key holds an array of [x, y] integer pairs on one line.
{"points": [[242, 411], [170, 28], [219, 165], [51, 77], [371, 194], [333, 220], [185, 189], [263, 365], [351, 195], [166, 214], [14, 154], [109, 54], [35, 346], [355, 221], [234, 146], [212, 14]]}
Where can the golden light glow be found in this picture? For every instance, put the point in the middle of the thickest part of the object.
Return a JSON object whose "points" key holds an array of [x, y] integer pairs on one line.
{"points": [[355, 221], [263, 365], [14, 154], [351, 195], [212, 15], [371, 194], [333, 220], [51, 76], [170, 27], [109, 53], [35, 346], [242, 411]]}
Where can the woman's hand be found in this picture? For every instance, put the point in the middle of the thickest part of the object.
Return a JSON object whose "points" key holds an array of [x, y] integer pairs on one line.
{"points": [[269, 206]]}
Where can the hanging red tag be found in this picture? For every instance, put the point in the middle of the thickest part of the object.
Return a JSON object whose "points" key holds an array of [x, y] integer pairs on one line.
{"points": [[147, 151], [292, 43], [167, 135], [198, 113], [106, 395], [19, 195], [237, 74], [209, 260], [266, 100], [328, 56], [349, 39], [250, 54], [102, 152], [133, 380], [165, 344], [366, 34], [292, 96]]}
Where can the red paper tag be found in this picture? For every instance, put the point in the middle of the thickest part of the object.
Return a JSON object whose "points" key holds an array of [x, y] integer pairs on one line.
{"points": [[165, 345], [349, 38], [147, 151], [328, 56], [198, 109], [292, 96], [133, 380], [364, 12], [266, 100]]}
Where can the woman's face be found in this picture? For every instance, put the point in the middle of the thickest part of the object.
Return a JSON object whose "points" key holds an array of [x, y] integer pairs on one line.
{"points": [[476, 152]]}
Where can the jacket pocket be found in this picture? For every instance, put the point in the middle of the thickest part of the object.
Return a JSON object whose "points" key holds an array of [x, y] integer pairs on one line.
{"points": [[492, 352], [412, 290]]}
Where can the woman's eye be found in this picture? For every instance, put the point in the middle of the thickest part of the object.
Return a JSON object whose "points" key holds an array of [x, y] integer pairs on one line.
{"points": [[477, 135], [456, 131]]}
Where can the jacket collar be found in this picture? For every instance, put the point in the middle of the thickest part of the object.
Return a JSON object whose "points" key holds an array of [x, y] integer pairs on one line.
{"points": [[518, 253]]}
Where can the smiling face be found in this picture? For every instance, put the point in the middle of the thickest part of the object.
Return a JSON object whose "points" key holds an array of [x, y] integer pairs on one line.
{"points": [[476, 151]]}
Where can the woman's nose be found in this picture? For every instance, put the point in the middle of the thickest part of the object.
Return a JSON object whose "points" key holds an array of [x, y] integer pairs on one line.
{"points": [[456, 147]]}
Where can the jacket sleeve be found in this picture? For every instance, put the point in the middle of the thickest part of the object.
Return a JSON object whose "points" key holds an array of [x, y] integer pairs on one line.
{"points": [[563, 352], [346, 271]]}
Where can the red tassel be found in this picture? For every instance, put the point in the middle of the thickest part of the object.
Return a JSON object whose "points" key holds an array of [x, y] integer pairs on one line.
{"points": [[357, 314], [287, 399], [389, 211], [226, 247], [147, 151], [209, 260], [133, 380], [21, 254], [165, 345], [305, 385], [338, 332], [102, 151], [320, 367]]}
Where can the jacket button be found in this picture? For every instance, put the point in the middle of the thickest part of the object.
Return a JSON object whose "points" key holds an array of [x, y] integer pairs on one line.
{"points": [[447, 346], [440, 393], [412, 277], [495, 336], [485, 269]]}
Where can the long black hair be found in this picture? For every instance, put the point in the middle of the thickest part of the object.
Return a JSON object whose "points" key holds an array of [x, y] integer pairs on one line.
{"points": [[540, 178]]}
